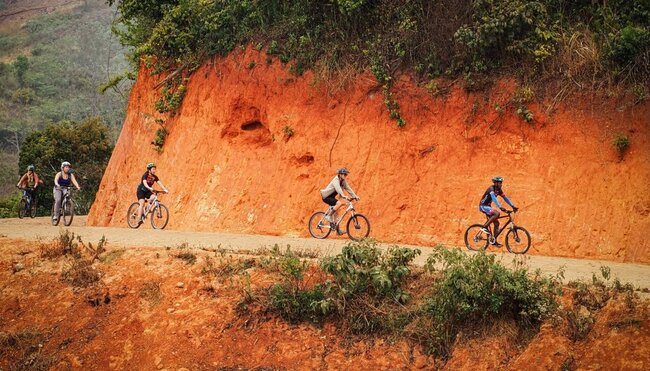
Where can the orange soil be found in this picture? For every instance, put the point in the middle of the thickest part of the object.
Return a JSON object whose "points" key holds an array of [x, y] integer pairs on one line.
{"points": [[420, 184], [189, 327]]}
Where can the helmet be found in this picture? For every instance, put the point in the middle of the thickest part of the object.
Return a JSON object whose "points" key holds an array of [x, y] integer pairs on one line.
{"points": [[343, 170], [64, 164], [30, 168], [497, 179], [150, 165]]}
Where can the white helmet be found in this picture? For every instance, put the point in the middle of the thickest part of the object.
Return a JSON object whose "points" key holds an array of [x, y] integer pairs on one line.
{"points": [[64, 164]]}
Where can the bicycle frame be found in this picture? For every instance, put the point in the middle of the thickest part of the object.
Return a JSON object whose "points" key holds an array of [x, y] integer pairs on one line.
{"points": [[348, 209], [150, 204], [510, 221]]}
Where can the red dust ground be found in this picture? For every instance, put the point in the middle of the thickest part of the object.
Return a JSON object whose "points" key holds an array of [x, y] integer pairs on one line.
{"points": [[152, 310]]}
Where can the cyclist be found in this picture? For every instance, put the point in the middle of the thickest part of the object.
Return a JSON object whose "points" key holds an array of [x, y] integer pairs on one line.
{"points": [[62, 181], [145, 188], [485, 206], [30, 182], [335, 187]]}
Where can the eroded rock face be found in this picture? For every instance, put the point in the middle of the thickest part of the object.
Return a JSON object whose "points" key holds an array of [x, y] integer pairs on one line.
{"points": [[232, 166]]}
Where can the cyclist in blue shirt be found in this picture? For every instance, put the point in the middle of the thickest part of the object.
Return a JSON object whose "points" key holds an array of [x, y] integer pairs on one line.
{"points": [[485, 205]]}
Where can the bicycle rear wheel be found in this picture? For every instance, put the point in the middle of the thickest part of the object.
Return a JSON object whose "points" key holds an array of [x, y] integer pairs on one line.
{"points": [[132, 216], [358, 227], [319, 227], [475, 238], [518, 240], [159, 217], [68, 211], [22, 208]]}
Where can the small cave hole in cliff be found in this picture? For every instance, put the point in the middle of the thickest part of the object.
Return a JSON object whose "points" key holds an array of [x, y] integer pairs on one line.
{"points": [[252, 125]]}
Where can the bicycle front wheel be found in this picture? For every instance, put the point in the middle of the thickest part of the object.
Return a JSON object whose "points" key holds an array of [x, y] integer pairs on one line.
{"points": [[68, 212], [319, 227], [358, 227], [22, 208], [518, 240], [475, 238], [159, 217], [132, 216], [32, 210]]}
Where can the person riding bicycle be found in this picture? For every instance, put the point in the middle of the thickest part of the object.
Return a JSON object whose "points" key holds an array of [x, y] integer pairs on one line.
{"points": [[485, 205], [145, 188], [29, 182], [62, 181], [334, 188]]}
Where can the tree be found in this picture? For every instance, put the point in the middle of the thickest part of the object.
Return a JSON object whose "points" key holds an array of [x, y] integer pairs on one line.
{"points": [[85, 144], [20, 69]]}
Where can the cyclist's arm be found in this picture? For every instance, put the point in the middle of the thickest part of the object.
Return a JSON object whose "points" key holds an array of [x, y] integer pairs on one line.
{"points": [[74, 181], [36, 180], [507, 200], [494, 199], [337, 187], [162, 185], [350, 191], [56, 179], [22, 179]]}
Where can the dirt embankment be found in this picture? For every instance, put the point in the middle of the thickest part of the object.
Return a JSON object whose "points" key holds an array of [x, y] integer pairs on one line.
{"points": [[231, 166], [155, 309]]}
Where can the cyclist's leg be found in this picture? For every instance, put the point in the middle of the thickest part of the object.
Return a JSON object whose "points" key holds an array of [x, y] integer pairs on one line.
{"points": [[58, 196], [493, 216], [331, 202]]}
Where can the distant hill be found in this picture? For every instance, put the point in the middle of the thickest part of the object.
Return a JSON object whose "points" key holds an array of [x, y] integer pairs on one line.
{"points": [[53, 57]]}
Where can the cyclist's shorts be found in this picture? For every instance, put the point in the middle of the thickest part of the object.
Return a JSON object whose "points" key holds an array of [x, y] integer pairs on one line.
{"points": [[143, 195], [487, 210], [331, 199]]}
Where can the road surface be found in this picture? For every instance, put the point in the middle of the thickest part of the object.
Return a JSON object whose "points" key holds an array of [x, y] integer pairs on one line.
{"points": [[32, 229]]}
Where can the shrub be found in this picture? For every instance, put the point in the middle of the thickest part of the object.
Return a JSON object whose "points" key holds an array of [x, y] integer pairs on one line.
{"points": [[621, 143], [361, 280], [477, 289], [288, 131]]}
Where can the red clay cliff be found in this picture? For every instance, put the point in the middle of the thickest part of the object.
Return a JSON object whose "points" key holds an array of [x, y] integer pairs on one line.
{"points": [[230, 166]]}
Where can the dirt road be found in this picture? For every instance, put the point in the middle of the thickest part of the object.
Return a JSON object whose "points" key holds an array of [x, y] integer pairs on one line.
{"points": [[30, 229]]}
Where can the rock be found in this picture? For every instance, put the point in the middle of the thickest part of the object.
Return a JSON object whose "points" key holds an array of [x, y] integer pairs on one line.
{"points": [[180, 285], [170, 310], [18, 267]]}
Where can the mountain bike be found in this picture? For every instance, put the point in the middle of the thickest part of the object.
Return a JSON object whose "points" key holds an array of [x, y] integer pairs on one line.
{"points": [[357, 227], [518, 239], [27, 204], [66, 211], [159, 213]]}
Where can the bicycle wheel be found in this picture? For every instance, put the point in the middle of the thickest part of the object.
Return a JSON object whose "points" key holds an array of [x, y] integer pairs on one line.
{"points": [[32, 210], [518, 240], [159, 217], [22, 208], [475, 238], [358, 227], [319, 227], [68, 211], [132, 216]]}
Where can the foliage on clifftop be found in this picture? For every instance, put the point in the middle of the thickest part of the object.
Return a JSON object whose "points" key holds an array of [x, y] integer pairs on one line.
{"points": [[587, 43], [432, 38]]}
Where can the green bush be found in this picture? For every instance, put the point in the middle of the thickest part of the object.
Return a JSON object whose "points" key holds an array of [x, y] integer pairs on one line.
{"points": [[621, 143], [362, 279], [473, 289], [626, 45]]}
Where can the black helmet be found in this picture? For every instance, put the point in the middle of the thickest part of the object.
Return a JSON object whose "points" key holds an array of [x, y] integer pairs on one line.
{"points": [[343, 170], [497, 179], [30, 168]]}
